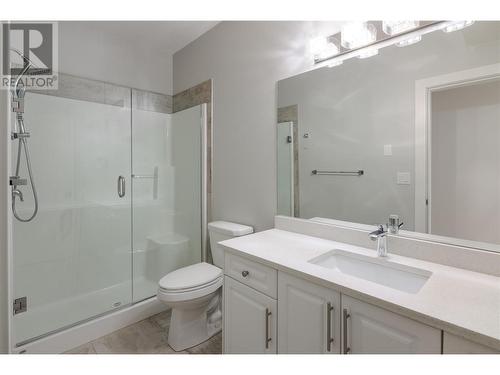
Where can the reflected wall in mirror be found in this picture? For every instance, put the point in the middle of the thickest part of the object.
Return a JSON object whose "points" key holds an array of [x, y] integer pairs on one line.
{"points": [[421, 122]]}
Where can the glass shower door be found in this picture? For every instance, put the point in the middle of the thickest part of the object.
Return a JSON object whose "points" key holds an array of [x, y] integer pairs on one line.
{"points": [[73, 262], [167, 183]]}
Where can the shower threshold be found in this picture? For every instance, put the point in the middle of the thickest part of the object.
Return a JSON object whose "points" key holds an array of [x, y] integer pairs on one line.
{"points": [[55, 330]]}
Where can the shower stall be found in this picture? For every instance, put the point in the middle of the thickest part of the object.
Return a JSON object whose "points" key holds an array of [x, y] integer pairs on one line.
{"points": [[121, 183]]}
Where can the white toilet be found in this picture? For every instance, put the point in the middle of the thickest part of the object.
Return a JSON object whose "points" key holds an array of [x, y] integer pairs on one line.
{"points": [[194, 292]]}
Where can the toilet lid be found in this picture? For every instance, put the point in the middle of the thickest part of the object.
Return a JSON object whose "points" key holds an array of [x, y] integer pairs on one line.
{"points": [[192, 276]]}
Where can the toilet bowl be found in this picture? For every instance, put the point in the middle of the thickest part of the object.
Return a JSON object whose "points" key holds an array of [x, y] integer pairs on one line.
{"points": [[194, 292]]}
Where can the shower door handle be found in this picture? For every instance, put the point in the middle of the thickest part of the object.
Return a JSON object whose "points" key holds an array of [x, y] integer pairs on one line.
{"points": [[121, 186]]}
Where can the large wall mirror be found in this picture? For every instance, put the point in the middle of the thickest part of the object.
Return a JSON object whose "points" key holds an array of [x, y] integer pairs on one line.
{"points": [[413, 131]]}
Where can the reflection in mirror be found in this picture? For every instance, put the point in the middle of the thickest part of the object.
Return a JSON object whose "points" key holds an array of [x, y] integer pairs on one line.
{"points": [[421, 122]]}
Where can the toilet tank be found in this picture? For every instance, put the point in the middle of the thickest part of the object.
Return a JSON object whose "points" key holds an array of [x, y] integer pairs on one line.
{"points": [[224, 230]]}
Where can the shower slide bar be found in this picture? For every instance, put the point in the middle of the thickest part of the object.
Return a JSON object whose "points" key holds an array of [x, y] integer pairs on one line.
{"points": [[359, 172]]}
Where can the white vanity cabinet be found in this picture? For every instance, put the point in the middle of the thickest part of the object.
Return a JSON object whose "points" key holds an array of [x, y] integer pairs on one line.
{"points": [[249, 320], [250, 306], [308, 317], [271, 311], [368, 329]]}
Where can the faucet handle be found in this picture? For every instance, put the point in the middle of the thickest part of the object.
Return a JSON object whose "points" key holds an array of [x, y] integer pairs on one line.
{"points": [[380, 232], [394, 224]]}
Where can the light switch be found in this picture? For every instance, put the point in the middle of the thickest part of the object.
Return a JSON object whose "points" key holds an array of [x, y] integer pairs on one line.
{"points": [[387, 150], [403, 178]]}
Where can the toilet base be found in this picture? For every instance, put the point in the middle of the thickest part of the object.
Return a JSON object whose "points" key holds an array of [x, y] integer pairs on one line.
{"points": [[191, 327]]}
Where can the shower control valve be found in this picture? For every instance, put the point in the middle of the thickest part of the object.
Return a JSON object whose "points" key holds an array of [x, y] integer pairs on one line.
{"points": [[17, 181], [19, 135]]}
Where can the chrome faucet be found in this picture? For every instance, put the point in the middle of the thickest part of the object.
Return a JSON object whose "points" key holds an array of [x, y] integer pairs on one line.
{"points": [[381, 236]]}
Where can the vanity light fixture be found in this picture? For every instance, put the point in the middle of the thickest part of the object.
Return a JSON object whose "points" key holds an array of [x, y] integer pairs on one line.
{"points": [[365, 39], [367, 52], [358, 34], [324, 47], [335, 63], [393, 28], [409, 41], [457, 25]]}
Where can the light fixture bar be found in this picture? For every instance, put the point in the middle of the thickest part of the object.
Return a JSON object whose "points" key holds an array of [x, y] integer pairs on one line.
{"points": [[383, 39]]}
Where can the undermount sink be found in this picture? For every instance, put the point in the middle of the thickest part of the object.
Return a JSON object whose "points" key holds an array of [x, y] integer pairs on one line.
{"points": [[378, 270]]}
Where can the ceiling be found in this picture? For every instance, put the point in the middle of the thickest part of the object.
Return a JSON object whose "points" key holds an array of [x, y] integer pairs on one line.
{"points": [[166, 37]]}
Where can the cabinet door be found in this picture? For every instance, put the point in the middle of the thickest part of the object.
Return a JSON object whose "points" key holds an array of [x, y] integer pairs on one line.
{"points": [[368, 329], [308, 317], [249, 320]]}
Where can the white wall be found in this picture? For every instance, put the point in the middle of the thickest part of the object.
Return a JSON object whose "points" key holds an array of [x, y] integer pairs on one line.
{"points": [[245, 60], [91, 52]]}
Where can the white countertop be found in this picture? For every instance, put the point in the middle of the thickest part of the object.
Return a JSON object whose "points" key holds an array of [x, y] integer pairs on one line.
{"points": [[459, 301]]}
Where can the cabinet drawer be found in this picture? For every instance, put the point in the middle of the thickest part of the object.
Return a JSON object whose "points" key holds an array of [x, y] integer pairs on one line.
{"points": [[253, 274]]}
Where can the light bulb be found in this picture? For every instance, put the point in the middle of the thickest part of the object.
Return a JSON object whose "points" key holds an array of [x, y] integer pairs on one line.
{"points": [[358, 34], [392, 28], [457, 25], [323, 48]]}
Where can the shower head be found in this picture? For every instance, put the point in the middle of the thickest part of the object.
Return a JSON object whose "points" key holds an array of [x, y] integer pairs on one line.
{"points": [[18, 90], [26, 60], [27, 63], [29, 68]]}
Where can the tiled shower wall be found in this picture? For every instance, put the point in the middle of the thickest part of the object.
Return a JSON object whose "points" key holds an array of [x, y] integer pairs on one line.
{"points": [[196, 95]]}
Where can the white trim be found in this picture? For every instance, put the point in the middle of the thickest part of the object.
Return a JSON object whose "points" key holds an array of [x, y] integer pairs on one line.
{"points": [[5, 220], [204, 179], [290, 124], [423, 90], [9, 222], [83, 333]]}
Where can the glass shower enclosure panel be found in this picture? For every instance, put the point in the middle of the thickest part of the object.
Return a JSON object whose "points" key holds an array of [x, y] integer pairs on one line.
{"points": [[72, 262], [167, 188]]}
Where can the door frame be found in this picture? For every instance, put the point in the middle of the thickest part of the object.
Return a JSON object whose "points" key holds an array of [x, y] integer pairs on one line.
{"points": [[292, 165], [424, 88]]}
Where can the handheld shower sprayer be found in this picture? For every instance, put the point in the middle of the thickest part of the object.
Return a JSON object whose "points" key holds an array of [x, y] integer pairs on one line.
{"points": [[20, 133]]}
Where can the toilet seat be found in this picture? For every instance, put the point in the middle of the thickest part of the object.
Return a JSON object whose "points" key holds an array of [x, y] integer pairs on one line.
{"points": [[191, 282]]}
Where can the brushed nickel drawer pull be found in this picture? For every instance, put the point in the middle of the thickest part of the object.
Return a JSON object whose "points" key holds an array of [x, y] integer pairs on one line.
{"points": [[329, 336], [346, 316], [268, 339]]}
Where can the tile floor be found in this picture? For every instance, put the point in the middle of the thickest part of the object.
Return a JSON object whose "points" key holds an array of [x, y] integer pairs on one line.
{"points": [[149, 336]]}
